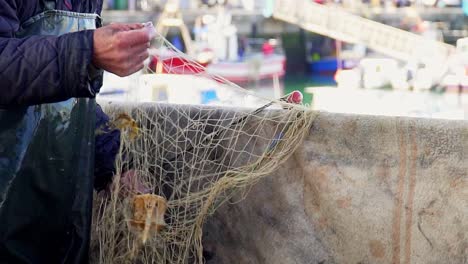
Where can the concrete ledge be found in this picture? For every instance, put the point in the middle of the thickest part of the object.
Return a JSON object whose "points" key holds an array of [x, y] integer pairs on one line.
{"points": [[362, 189]]}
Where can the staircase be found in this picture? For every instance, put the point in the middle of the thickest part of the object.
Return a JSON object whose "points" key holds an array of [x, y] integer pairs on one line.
{"points": [[339, 24]]}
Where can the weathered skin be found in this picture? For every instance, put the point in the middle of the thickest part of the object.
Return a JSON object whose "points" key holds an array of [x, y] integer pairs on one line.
{"points": [[361, 189]]}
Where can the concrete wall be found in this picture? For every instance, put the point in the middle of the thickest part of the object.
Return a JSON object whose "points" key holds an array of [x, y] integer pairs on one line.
{"points": [[360, 190]]}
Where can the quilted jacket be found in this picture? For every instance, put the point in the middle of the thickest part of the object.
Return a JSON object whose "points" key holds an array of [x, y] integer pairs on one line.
{"points": [[47, 69]]}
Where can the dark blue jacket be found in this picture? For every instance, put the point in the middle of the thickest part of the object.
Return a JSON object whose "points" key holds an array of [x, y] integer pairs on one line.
{"points": [[46, 69]]}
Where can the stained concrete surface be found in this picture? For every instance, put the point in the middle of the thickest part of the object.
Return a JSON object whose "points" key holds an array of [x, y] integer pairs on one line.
{"points": [[361, 189]]}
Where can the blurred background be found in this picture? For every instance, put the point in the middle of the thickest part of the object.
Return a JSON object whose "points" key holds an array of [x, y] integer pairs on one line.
{"points": [[381, 57]]}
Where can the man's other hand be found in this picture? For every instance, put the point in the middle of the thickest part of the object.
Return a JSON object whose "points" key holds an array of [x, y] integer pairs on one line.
{"points": [[121, 48]]}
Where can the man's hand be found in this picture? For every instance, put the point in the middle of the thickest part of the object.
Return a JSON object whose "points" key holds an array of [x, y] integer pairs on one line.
{"points": [[121, 48]]}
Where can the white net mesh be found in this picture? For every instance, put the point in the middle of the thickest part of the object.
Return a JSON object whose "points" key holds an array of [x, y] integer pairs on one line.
{"points": [[178, 163]]}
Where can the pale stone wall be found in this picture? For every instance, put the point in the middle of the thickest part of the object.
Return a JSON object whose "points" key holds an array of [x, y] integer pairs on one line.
{"points": [[361, 190]]}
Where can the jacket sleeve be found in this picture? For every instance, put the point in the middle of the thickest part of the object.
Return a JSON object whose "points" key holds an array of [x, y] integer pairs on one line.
{"points": [[43, 69], [106, 148]]}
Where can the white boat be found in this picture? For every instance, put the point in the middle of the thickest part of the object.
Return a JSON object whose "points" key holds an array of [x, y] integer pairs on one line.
{"points": [[256, 68], [216, 47]]}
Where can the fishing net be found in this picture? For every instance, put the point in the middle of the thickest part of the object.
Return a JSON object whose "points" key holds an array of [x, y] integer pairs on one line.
{"points": [[178, 163]]}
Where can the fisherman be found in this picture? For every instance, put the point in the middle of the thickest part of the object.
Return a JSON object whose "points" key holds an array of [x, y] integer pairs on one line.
{"points": [[51, 63]]}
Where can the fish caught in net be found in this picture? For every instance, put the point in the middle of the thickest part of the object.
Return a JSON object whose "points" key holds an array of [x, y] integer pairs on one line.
{"points": [[178, 163]]}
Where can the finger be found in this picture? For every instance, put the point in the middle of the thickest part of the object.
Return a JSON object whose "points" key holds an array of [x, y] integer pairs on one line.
{"points": [[135, 37], [119, 26], [135, 26], [139, 49], [140, 57], [126, 27], [136, 68], [134, 62]]}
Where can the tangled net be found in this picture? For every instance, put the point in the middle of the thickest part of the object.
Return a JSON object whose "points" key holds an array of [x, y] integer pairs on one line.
{"points": [[178, 163]]}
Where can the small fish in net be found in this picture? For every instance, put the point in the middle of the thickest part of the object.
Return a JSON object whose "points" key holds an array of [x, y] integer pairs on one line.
{"points": [[147, 218]]}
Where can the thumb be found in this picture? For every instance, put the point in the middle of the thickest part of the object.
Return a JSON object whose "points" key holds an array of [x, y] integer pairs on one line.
{"points": [[136, 37], [135, 26]]}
